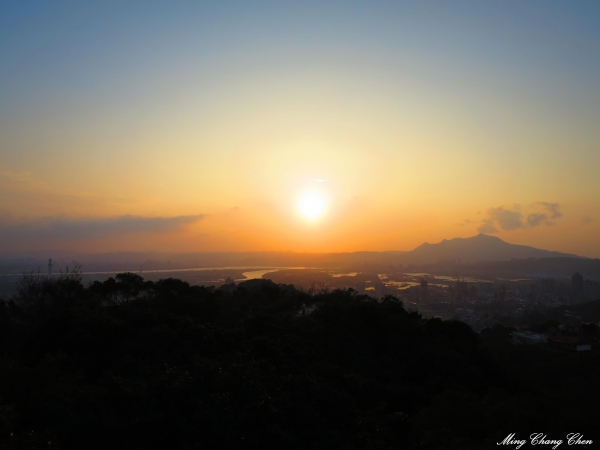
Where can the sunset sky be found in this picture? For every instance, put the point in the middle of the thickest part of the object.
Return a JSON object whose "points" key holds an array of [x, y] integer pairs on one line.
{"points": [[199, 126]]}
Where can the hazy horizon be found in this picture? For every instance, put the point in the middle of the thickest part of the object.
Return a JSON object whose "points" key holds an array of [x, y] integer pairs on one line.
{"points": [[319, 127], [50, 251]]}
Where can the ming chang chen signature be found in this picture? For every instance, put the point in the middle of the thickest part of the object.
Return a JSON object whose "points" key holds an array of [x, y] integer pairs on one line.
{"points": [[542, 439]]}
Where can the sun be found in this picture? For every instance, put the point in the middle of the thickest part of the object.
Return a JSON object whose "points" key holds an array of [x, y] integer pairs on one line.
{"points": [[311, 204]]}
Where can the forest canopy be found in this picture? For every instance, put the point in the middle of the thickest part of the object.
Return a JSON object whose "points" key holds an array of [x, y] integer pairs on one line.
{"points": [[128, 363]]}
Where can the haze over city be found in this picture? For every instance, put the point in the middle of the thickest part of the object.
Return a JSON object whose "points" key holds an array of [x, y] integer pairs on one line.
{"points": [[304, 126]]}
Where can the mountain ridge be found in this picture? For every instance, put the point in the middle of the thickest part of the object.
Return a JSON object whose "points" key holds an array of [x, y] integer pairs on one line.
{"points": [[477, 248]]}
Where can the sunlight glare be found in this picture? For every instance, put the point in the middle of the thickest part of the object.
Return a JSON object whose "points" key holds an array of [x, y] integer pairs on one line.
{"points": [[311, 204]]}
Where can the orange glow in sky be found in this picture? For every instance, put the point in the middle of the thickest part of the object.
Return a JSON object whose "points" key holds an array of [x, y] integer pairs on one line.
{"points": [[307, 127]]}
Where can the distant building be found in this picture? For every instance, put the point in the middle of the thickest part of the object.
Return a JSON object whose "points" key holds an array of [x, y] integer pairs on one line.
{"points": [[548, 286], [570, 343], [460, 292], [424, 294], [464, 314], [360, 287], [500, 295], [414, 294], [591, 290], [379, 289], [486, 287], [577, 293], [527, 337]]}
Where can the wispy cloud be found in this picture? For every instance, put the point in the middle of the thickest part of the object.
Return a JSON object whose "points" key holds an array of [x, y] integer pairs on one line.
{"points": [[20, 180], [536, 219], [85, 228], [508, 219], [464, 222], [551, 208], [487, 227], [27, 189]]}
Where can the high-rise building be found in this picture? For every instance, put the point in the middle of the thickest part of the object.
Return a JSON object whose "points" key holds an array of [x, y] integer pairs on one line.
{"points": [[379, 289], [424, 294], [360, 287], [591, 290], [577, 288]]}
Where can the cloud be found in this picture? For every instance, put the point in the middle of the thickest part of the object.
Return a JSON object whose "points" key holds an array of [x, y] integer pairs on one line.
{"points": [[509, 219], [464, 222], [83, 228], [551, 208], [505, 219], [536, 219], [15, 176], [20, 181], [487, 227]]}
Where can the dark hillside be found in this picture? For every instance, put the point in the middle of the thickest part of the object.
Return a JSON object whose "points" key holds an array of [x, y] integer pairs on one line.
{"points": [[134, 364]]}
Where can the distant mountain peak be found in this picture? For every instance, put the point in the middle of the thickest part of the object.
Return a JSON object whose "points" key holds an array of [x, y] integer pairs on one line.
{"points": [[481, 247], [485, 236]]}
